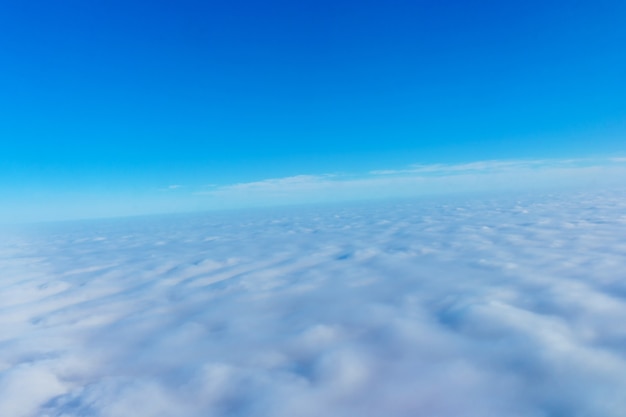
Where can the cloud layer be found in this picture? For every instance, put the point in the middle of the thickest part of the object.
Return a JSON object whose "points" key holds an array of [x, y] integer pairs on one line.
{"points": [[510, 307]]}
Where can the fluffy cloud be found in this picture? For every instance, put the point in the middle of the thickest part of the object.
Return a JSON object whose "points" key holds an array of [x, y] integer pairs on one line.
{"points": [[492, 307]]}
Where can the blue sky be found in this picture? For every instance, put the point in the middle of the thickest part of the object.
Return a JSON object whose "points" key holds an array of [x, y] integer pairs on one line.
{"points": [[107, 104]]}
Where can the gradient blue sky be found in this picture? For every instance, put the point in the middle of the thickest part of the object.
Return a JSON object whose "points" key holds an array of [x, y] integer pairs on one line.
{"points": [[105, 104]]}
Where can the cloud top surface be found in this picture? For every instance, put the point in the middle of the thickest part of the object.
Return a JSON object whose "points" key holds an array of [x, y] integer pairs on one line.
{"points": [[511, 307]]}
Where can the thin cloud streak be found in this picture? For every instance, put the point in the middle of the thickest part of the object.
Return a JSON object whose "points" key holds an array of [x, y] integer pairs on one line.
{"points": [[492, 166], [418, 180]]}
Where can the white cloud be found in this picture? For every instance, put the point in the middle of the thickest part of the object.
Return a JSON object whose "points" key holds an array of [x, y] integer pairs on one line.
{"points": [[482, 176], [172, 187], [490, 167], [297, 182], [479, 307]]}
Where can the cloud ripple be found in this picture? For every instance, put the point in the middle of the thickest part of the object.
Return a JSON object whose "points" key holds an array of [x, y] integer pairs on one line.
{"points": [[443, 308]]}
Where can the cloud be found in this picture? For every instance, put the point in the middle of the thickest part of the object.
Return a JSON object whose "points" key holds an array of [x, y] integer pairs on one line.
{"points": [[490, 167], [507, 306], [172, 187], [419, 180], [298, 182]]}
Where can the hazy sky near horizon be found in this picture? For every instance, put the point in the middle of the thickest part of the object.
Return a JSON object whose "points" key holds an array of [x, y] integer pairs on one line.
{"points": [[128, 107]]}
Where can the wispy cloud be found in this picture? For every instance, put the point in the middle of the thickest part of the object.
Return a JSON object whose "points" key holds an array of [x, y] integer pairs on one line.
{"points": [[492, 166], [172, 187], [297, 182], [418, 180]]}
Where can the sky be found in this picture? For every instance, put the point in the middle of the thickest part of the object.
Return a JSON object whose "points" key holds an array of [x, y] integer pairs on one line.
{"points": [[130, 107]]}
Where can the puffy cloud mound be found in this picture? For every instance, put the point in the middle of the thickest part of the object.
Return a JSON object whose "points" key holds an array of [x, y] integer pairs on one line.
{"points": [[490, 308]]}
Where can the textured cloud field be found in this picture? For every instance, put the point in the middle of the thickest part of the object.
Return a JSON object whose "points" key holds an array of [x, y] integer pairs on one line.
{"points": [[513, 307]]}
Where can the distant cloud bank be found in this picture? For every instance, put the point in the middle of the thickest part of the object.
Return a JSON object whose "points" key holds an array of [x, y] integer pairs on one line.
{"points": [[511, 306]]}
